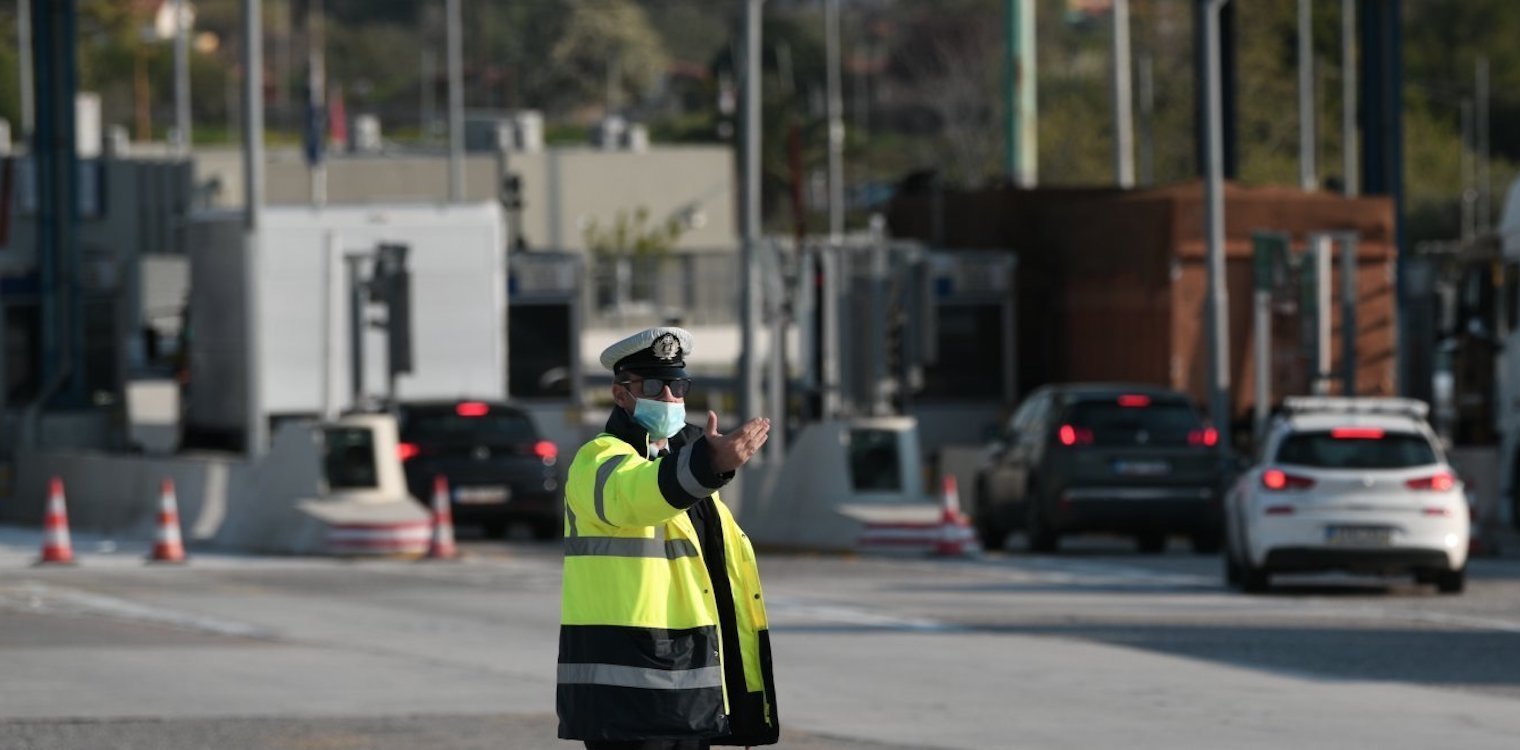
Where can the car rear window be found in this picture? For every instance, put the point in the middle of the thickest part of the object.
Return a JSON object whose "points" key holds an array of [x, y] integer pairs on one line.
{"points": [[1322, 449], [1154, 423], [498, 426]]}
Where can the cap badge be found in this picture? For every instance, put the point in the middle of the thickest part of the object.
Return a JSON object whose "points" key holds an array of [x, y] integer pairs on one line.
{"points": [[666, 347]]}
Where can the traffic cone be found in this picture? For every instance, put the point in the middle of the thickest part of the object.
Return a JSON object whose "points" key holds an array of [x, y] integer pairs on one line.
{"points": [[168, 547], [441, 546], [56, 547], [956, 538]]}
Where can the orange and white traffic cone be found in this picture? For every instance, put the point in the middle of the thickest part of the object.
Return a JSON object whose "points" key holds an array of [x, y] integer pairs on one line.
{"points": [[57, 549], [956, 538], [441, 546], [168, 547]]}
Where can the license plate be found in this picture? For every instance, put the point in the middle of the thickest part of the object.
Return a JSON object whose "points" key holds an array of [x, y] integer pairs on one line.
{"points": [[1142, 468], [482, 495], [1359, 536]]}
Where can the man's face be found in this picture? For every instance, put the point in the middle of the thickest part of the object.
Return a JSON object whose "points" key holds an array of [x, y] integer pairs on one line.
{"points": [[629, 387]]}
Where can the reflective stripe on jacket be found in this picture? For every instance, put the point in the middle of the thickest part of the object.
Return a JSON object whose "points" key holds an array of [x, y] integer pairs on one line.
{"points": [[641, 652]]}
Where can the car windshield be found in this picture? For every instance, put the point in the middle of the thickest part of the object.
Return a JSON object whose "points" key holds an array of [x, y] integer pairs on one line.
{"points": [[1370, 450], [1154, 423], [496, 427]]}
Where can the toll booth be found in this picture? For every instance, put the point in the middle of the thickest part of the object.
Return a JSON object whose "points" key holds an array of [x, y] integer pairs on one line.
{"points": [[845, 484]]}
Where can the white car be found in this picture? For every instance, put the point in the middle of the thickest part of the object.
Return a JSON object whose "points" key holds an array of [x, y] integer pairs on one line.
{"points": [[1350, 484]]}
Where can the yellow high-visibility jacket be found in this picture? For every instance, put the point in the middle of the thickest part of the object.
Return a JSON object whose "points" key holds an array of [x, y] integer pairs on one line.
{"points": [[642, 651]]}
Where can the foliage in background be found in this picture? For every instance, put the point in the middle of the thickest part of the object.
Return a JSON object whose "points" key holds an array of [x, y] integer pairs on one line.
{"points": [[632, 235], [923, 83]]}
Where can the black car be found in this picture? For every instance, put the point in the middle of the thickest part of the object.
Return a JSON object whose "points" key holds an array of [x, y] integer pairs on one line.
{"points": [[499, 468], [1124, 459]]}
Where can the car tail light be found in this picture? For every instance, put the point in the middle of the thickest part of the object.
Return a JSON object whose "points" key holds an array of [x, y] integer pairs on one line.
{"points": [[1134, 401], [1356, 433], [1278, 480], [1207, 437], [472, 409], [545, 450], [1069, 435], [1439, 482], [407, 451]]}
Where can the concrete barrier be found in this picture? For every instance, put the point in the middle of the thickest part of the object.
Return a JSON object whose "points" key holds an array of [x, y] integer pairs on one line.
{"points": [[223, 501]]}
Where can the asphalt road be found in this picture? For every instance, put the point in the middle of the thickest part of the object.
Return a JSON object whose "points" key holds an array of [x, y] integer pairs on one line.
{"points": [[1094, 647]]}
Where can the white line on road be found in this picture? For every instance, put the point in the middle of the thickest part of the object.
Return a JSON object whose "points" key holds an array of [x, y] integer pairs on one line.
{"points": [[31, 596]]}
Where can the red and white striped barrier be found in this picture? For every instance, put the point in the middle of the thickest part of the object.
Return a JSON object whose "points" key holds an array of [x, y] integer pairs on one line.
{"points": [[948, 535], [396, 538]]}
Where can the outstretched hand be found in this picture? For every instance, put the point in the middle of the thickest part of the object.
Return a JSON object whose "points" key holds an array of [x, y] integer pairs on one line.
{"points": [[733, 450]]}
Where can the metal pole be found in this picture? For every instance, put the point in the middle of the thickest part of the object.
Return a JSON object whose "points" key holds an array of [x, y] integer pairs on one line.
{"points": [[1322, 287], [836, 123], [1480, 115], [181, 79], [1469, 190], [1262, 314], [24, 68], [1349, 144], [253, 205], [776, 377], [1021, 82], [1124, 121], [1349, 296], [1308, 144], [1147, 93], [1218, 300], [749, 381], [356, 328], [316, 71], [456, 103]]}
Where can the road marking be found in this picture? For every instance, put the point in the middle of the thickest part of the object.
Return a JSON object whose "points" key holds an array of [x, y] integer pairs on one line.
{"points": [[32, 596]]}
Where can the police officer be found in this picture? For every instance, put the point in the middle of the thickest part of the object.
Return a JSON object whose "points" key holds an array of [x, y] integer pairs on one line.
{"points": [[664, 642]]}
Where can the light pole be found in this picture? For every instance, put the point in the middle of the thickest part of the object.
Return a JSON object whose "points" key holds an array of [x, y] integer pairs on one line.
{"points": [[1124, 121], [253, 196], [749, 381], [456, 102], [1220, 404]]}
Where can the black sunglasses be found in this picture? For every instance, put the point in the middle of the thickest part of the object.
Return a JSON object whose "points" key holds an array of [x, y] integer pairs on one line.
{"points": [[652, 387]]}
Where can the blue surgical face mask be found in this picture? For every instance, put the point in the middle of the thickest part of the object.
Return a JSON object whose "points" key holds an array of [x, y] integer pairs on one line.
{"points": [[661, 418]]}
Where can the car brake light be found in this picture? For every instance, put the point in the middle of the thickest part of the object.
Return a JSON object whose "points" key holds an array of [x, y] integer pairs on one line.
{"points": [[1278, 480], [407, 451], [1440, 482], [1356, 433], [1134, 401], [1207, 437], [545, 450], [1069, 435], [472, 409]]}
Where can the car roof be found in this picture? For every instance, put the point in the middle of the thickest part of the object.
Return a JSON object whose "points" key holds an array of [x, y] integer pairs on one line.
{"points": [[449, 404], [1111, 390], [1315, 421]]}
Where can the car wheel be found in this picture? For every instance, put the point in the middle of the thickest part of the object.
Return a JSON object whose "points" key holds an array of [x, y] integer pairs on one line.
{"points": [[1041, 537], [1451, 581], [1254, 580], [989, 532], [1232, 572], [1207, 543], [1151, 542]]}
